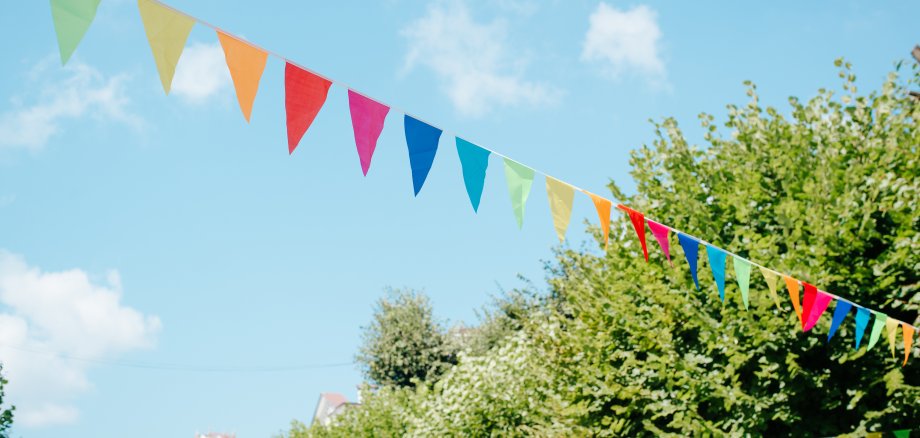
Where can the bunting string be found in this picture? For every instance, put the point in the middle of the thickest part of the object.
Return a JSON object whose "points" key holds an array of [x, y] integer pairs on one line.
{"points": [[306, 91]]}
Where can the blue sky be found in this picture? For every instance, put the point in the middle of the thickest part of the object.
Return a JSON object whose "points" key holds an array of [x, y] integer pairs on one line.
{"points": [[142, 229]]}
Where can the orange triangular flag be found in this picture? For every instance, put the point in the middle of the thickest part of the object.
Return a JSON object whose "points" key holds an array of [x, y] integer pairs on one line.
{"points": [[246, 64], [908, 340], [793, 286], [603, 214]]}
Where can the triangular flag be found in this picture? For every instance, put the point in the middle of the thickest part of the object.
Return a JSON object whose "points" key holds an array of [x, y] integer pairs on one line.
{"points": [[874, 435], [638, 222], [304, 95], [862, 320], [246, 64], [840, 313], [877, 325], [560, 197], [167, 31], [367, 118], [71, 21], [903, 433], [717, 264], [908, 340], [474, 161], [661, 235], [771, 278], [891, 326], [520, 178], [422, 141], [602, 205], [743, 275], [691, 249], [793, 286], [816, 308]]}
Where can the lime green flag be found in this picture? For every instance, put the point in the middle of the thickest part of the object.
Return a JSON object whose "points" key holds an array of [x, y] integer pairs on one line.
{"points": [[743, 275], [520, 178], [877, 326], [167, 31], [71, 20]]}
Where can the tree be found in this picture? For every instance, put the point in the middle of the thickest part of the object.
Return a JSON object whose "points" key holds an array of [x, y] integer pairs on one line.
{"points": [[6, 413], [403, 344], [826, 191]]}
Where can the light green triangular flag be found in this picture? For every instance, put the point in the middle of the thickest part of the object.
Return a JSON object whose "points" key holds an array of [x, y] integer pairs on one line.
{"points": [[520, 179], [71, 20], [167, 31], [743, 275], [877, 326]]}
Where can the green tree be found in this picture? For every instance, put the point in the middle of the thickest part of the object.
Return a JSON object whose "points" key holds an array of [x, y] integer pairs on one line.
{"points": [[403, 343], [6, 413], [825, 191]]}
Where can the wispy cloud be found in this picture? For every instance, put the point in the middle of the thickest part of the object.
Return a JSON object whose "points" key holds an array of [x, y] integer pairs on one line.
{"points": [[625, 41], [83, 91], [201, 73], [49, 318], [473, 61]]}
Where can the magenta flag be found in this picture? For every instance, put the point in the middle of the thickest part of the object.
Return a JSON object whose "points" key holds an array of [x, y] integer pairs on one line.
{"points": [[819, 305], [661, 235], [367, 118]]}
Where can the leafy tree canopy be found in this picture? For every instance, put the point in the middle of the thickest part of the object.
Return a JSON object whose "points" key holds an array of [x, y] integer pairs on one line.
{"points": [[825, 191]]}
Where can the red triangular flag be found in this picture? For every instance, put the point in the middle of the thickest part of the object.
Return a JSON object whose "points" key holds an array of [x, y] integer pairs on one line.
{"points": [[304, 95], [638, 221]]}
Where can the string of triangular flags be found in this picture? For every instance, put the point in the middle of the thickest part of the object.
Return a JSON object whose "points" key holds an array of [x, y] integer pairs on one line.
{"points": [[305, 94]]}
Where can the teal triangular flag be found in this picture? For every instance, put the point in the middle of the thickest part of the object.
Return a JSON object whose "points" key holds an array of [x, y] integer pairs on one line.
{"points": [[717, 264], [473, 161]]}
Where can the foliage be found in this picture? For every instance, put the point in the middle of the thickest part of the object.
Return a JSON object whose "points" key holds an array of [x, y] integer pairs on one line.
{"points": [[6, 414], [826, 192], [404, 343]]}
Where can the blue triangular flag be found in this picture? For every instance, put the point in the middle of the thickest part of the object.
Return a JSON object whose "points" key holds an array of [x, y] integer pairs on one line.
{"points": [[422, 140], [473, 160], [840, 313], [691, 250], [717, 263], [862, 320]]}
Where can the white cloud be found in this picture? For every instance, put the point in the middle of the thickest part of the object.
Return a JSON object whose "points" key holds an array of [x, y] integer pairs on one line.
{"points": [[83, 92], [477, 69], [625, 41], [53, 327], [201, 73]]}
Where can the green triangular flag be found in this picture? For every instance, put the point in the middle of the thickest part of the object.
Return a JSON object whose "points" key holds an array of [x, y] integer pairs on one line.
{"points": [[167, 31], [743, 275], [904, 433], [520, 178], [71, 20], [877, 326]]}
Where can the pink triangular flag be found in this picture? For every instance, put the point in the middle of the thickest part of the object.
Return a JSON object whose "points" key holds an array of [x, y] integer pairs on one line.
{"points": [[367, 118], [817, 309], [661, 235]]}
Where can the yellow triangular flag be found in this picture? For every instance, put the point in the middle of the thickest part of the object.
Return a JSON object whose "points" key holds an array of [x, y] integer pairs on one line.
{"points": [[771, 278], [560, 197], [246, 64], [167, 31], [891, 326]]}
